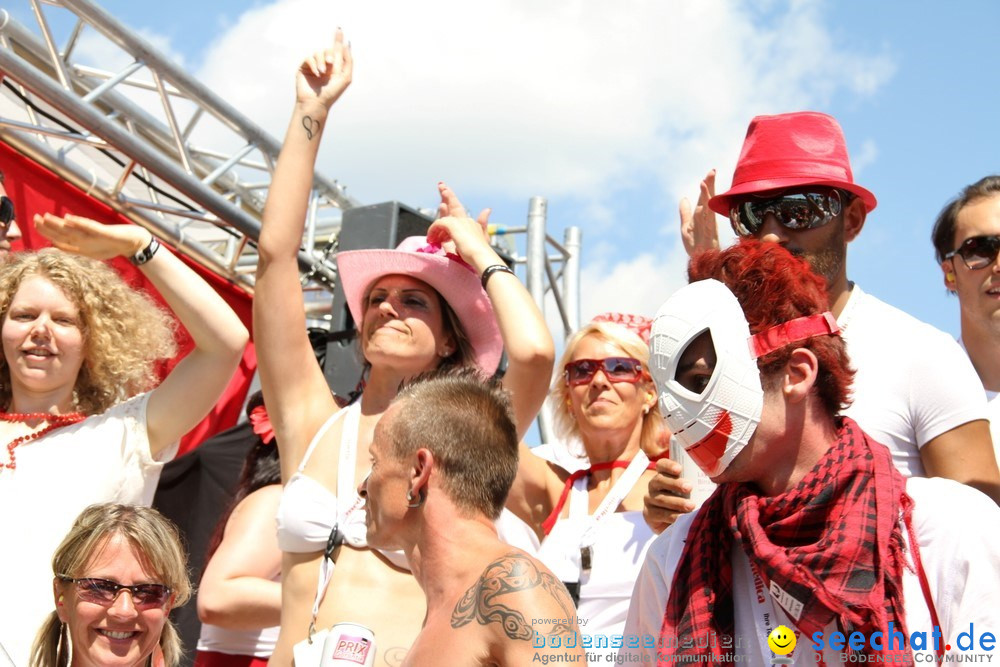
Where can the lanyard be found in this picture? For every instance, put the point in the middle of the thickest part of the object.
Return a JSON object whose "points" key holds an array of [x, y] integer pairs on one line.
{"points": [[610, 503]]}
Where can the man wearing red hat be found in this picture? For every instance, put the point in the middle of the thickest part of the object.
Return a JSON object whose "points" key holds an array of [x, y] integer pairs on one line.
{"points": [[966, 239], [915, 390]]}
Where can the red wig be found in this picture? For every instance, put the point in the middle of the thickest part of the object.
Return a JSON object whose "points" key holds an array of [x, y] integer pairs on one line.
{"points": [[773, 286]]}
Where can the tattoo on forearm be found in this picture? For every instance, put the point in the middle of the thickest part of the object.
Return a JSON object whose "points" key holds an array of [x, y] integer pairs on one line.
{"points": [[510, 574], [311, 126]]}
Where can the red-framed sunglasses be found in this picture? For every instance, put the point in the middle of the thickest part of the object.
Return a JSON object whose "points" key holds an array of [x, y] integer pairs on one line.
{"points": [[616, 369]]}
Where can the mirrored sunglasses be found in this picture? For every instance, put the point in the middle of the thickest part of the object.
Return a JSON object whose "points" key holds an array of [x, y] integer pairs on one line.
{"points": [[6, 210], [616, 369], [977, 252], [796, 211], [105, 592]]}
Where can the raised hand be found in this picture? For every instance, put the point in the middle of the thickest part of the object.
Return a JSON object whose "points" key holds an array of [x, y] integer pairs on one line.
{"points": [[84, 236], [325, 75], [698, 228], [454, 226]]}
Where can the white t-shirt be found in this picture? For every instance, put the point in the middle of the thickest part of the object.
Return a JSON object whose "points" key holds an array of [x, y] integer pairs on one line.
{"points": [[104, 458], [618, 552], [993, 412], [913, 382], [993, 405], [959, 547]]}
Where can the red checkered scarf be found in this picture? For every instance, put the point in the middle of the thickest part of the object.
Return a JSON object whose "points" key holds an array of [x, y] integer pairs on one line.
{"points": [[833, 542]]}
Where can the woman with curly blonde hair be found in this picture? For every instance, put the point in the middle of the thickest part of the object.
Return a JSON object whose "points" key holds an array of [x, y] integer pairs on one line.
{"points": [[80, 419], [110, 550], [117, 363]]}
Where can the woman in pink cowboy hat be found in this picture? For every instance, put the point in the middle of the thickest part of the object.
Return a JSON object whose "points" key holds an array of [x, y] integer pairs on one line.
{"points": [[587, 505], [416, 308]]}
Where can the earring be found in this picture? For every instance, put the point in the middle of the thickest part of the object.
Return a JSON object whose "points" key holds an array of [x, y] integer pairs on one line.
{"points": [[410, 500], [949, 277], [60, 600], [645, 410]]}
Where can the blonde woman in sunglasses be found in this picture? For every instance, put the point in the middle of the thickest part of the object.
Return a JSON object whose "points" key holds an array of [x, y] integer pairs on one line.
{"points": [[586, 505], [116, 576]]}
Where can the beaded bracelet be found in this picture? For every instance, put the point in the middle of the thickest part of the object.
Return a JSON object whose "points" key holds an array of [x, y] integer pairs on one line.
{"points": [[495, 268]]}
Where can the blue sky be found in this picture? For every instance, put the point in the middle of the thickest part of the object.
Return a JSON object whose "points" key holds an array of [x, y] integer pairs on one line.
{"points": [[615, 110]]}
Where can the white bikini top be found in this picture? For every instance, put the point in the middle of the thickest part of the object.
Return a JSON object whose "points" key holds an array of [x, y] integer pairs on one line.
{"points": [[308, 511]]}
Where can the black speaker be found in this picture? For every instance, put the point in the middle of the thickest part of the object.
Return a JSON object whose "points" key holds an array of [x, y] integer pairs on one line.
{"points": [[377, 226]]}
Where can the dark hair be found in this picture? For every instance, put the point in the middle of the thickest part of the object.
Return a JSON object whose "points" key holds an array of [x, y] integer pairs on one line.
{"points": [[260, 468], [463, 355], [465, 419], [943, 234], [773, 286]]}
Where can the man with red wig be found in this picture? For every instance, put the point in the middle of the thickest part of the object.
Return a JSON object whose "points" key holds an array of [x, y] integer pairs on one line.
{"points": [[812, 531], [915, 391]]}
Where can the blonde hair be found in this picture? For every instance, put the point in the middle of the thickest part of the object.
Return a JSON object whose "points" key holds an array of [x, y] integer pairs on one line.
{"points": [[124, 331], [564, 421], [158, 544]]}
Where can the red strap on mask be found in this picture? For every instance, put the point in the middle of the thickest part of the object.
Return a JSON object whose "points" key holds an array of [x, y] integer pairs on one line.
{"points": [[793, 331]]}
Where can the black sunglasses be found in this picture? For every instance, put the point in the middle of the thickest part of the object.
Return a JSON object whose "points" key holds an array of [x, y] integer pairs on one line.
{"points": [[6, 210], [798, 210], [105, 592], [977, 252]]}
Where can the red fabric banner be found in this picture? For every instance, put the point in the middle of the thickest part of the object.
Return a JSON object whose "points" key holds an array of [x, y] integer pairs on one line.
{"points": [[35, 189]]}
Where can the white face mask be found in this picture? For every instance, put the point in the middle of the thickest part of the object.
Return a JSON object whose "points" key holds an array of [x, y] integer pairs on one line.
{"points": [[717, 424]]}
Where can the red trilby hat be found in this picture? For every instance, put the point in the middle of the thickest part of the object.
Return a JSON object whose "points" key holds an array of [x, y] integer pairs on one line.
{"points": [[791, 150]]}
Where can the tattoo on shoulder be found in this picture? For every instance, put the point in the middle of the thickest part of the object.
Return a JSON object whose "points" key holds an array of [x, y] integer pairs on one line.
{"points": [[311, 126], [512, 573]]}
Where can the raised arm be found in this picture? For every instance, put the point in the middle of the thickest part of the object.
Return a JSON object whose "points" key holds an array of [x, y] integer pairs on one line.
{"points": [[238, 590], [298, 398], [196, 383], [526, 338]]}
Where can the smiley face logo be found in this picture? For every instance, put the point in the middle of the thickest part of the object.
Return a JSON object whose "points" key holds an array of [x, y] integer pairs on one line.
{"points": [[781, 640]]}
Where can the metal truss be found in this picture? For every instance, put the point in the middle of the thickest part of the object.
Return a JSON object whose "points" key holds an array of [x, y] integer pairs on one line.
{"points": [[148, 140], [163, 150], [557, 274]]}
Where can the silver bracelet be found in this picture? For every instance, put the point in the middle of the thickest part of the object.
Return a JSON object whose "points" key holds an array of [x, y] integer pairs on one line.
{"points": [[495, 268], [146, 254]]}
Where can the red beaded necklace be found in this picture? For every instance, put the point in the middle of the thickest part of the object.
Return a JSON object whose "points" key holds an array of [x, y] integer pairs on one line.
{"points": [[54, 422]]}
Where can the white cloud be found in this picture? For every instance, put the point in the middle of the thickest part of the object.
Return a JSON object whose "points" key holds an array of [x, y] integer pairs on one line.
{"points": [[864, 156], [638, 284], [576, 101]]}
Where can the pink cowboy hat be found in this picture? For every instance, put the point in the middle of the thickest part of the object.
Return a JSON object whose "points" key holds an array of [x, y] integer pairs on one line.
{"points": [[791, 150], [453, 279]]}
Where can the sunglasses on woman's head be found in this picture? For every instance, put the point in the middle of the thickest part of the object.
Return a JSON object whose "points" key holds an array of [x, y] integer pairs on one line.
{"points": [[616, 369], [105, 592], [977, 252], [795, 211]]}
